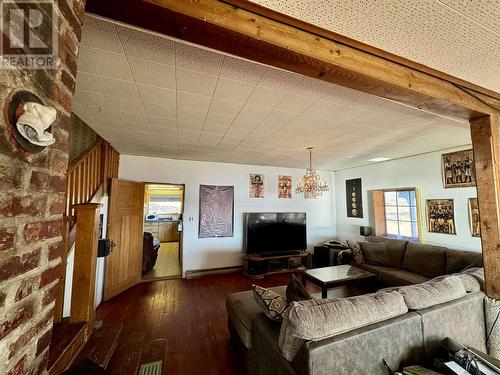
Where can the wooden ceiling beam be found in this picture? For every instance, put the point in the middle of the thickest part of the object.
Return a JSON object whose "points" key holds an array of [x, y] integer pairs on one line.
{"points": [[240, 32]]}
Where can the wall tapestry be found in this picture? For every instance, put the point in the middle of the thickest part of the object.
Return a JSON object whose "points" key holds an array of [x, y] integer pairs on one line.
{"points": [[256, 185], [458, 169], [284, 186], [441, 216], [216, 211], [354, 198], [475, 227]]}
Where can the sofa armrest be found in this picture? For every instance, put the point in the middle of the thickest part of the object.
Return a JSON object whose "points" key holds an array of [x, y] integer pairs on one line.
{"points": [[345, 257]]}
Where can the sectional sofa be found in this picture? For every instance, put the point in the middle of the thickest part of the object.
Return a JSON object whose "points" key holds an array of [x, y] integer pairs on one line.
{"points": [[403, 325]]}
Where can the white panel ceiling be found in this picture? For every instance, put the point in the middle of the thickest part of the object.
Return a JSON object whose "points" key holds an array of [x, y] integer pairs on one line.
{"points": [[458, 37], [151, 95]]}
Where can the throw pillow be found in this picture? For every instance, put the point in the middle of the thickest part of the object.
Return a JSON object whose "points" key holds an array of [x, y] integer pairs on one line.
{"points": [[270, 302], [357, 254], [295, 290], [432, 293], [376, 254], [492, 313]]}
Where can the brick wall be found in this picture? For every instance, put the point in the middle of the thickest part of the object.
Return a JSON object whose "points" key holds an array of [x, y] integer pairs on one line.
{"points": [[31, 206]]}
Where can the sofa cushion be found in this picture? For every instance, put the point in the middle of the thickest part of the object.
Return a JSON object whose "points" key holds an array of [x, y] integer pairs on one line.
{"points": [[375, 239], [478, 274], [459, 260], [399, 277], [427, 260], [396, 249], [318, 319], [432, 293], [357, 254], [242, 309], [471, 284], [271, 303], [376, 254], [295, 290]]}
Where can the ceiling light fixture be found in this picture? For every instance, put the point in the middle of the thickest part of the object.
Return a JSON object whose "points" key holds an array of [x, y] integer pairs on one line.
{"points": [[376, 160], [310, 184]]}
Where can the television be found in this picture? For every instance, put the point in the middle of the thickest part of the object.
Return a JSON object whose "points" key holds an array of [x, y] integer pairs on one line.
{"points": [[273, 233]]}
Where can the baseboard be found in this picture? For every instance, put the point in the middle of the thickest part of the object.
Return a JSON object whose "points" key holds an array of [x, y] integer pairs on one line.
{"points": [[212, 271]]}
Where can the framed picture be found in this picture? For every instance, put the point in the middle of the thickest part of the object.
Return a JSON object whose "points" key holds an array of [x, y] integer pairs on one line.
{"points": [[354, 198], [475, 225], [458, 169], [216, 211], [441, 216], [284, 186], [256, 185]]}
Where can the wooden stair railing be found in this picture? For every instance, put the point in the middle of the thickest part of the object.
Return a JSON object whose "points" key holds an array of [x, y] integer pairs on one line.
{"points": [[87, 182]]}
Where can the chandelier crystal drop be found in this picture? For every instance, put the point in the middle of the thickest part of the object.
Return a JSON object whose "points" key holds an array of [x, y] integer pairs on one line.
{"points": [[310, 184]]}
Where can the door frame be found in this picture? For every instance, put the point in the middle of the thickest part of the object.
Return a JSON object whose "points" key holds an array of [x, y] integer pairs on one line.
{"points": [[181, 237]]}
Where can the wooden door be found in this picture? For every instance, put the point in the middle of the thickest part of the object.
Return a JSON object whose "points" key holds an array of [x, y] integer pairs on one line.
{"points": [[125, 229]]}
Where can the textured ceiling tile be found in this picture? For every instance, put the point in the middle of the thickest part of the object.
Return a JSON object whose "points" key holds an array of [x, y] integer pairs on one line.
{"points": [[85, 82], [233, 90], [153, 74], [225, 107], [146, 46], [157, 95], [198, 59], [159, 121], [160, 110], [117, 87], [254, 112], [125, 104], [190, 115], [195, 83], [105, 63], [191, 101], [295, 103], [242, 70], [100, 33], [266, 97]]}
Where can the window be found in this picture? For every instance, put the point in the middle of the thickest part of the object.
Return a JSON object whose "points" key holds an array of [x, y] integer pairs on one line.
{"points": [[165, 204], [401, 218]]}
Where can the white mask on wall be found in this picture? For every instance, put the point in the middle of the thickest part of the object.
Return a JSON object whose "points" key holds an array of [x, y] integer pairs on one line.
{"points": [[34, 122]]}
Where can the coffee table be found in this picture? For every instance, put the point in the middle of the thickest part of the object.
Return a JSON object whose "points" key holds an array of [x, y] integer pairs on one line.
{"points": [[335, 276]]}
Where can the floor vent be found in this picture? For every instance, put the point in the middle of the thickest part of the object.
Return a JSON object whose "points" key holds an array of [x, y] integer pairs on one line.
{"points": [[151, 368]]}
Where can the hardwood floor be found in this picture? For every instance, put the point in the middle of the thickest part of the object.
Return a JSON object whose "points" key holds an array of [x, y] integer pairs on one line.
{"points": [[189, 314]]}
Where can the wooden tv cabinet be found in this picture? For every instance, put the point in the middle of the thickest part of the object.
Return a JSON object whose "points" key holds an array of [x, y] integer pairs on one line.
{"points": [[256, 266]]}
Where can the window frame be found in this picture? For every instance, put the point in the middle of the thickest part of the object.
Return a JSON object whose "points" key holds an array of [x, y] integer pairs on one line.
{"points": [[380, 213]]}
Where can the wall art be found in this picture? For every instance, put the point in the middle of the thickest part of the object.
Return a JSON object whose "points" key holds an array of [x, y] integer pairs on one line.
{"points": [[458, 169], [284, 186], [354, 198], [256, 185], [441, 216], [216, 211], [475, 225]]}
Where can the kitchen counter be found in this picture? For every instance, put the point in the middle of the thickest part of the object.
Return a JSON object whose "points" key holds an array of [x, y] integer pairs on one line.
{"points": [[164, 230]]}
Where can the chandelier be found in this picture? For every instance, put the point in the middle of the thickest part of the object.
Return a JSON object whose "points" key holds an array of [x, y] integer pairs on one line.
{"points": [[310, 185]]}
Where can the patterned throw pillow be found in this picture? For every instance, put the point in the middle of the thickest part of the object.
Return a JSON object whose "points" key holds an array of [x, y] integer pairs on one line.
{"points": [[357, 254], [272, 303]]}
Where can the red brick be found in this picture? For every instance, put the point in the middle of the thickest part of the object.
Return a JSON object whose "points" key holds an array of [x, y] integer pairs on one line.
{"points": [[42, 365], [57, 207], [11, 175], [44, 181], [55, 250], [7, 239], [42, 230], [72, 19], [18, 265], [62, 140], [64, 122], [50, 275], [26, 288], [43, 342], [16, 206], [2, 299], [79, 9], [18, 368], [50, 295], [22, 315], [68, 81], [60, 162]]}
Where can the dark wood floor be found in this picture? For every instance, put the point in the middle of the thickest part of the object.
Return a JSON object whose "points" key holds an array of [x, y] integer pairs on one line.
{"points": [[189, 314]]}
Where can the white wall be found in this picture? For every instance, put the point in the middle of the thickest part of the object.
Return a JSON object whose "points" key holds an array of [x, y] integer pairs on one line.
{"points": [[207, 253], [422, 171]]}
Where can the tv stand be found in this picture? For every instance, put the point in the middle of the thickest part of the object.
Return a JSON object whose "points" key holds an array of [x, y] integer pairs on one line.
{"points": [[257, 266]]}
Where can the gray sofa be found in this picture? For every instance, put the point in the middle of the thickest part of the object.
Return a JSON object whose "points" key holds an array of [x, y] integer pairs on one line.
{"points": [[405, 263], [413, 337]]}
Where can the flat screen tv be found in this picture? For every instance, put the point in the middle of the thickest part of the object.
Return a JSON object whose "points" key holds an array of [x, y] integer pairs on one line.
{"points": [[269, 233]]}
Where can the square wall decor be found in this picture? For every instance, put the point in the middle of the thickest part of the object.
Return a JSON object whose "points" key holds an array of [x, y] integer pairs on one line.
{"points": [[441, 216], [458, 169], [256, 185]]}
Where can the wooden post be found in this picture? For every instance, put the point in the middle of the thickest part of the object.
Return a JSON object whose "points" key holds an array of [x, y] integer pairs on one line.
{"points": [[485, 141], [84, 269]]}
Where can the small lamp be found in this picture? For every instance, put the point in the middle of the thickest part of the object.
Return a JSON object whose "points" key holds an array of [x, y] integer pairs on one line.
{"points": [[365, 231]]}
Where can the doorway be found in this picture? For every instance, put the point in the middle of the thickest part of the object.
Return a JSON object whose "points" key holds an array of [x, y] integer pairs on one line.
{"points": [[163, 214]]}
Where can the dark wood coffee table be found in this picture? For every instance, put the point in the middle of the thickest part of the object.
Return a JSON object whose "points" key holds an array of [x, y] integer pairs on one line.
{"points": [[335, 276]]}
